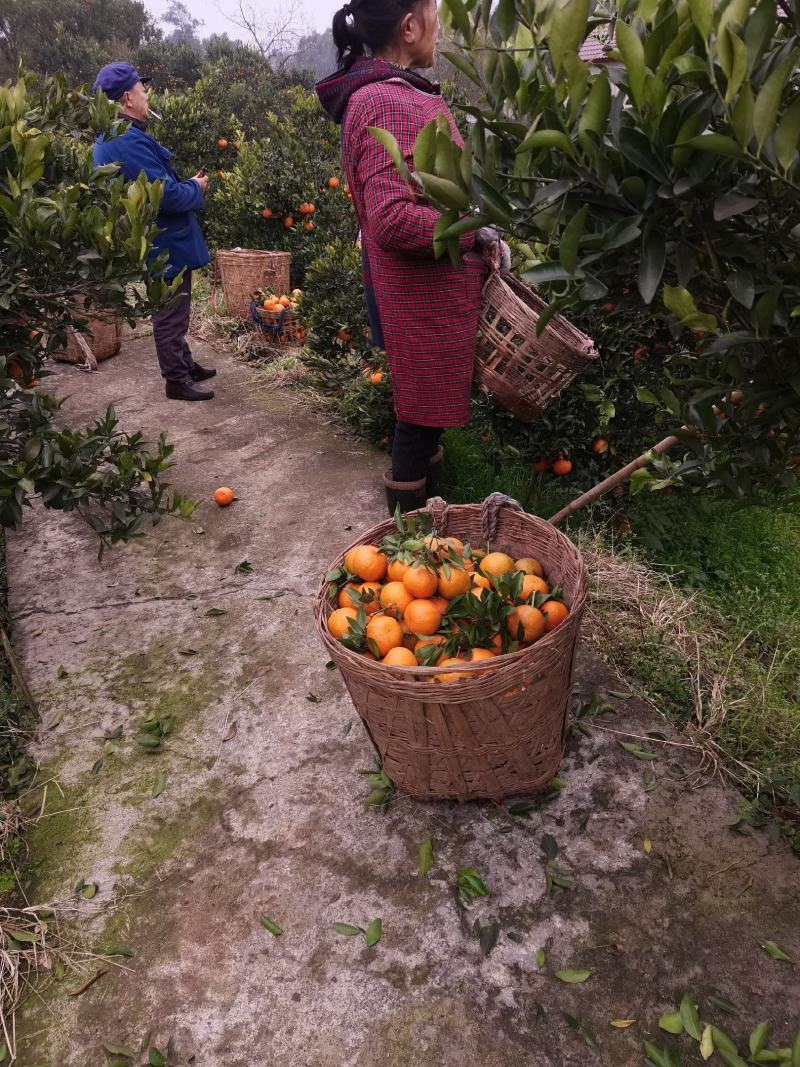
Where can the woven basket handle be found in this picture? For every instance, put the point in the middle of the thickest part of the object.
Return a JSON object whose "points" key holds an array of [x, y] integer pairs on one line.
{"points": [[437, 508], [214, 286], [490, 514]]}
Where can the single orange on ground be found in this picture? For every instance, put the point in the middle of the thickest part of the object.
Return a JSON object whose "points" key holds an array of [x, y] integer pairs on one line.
{"points": [[453, 581], [333, 183], [367, 562], [339, 622], [530, 565], [455, 676], [223, 496], [376, 377], [554, 612], [397, 569], [346, 600], [387, 633], [395, 598], [266, 213], [562, 466], [422, 617], [420, 581], [531, 620], [370, 596], [496, 563], [400, 657], [531, 584]]}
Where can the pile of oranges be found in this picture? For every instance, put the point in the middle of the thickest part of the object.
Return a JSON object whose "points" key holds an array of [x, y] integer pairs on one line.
{"points": [[270, 301], [426, 600]]}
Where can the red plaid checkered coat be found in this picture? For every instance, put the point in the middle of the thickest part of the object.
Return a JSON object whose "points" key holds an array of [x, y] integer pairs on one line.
{"points": [[428, 308]]}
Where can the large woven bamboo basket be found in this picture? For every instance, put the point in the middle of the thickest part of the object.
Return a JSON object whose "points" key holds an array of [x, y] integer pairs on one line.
{"points": [[244, 270], [500, 732], [104, 338], [523, 371]]}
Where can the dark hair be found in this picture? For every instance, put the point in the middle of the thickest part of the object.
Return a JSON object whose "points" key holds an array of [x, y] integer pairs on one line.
{"points": [[367, 24]]}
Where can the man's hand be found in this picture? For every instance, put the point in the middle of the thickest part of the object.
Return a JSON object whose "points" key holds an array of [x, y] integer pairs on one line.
{"points": [[202, 180]]}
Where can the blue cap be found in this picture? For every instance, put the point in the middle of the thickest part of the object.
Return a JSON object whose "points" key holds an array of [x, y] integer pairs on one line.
{"points": [[116, 78]]}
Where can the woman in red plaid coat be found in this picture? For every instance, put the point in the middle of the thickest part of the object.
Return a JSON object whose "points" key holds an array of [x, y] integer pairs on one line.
{"points": [[423, 311]]}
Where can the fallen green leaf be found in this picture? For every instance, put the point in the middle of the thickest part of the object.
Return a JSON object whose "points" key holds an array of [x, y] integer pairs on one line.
{"points": [[119, 1050], [120, 950], [689, 1017], [159, 785], [156, 1058], [346, 930], [271, 925], [540, 957], [374, 932], [212, 613], [622, 1024], [188, 652], [245, 567], [488, 937], [512, 935], [707, 1044], [672, 1022], [773, 949], [637, 750], [573, 977], [348, 726], [312, 698], [425, 861]]}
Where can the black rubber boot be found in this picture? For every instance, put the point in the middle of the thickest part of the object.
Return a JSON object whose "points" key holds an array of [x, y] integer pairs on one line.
{"points": [[187, 390], [435, 474], [200, 374], [409, 495]]}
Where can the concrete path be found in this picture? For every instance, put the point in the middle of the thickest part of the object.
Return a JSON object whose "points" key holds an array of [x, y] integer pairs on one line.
{"points": [[260, 808]]}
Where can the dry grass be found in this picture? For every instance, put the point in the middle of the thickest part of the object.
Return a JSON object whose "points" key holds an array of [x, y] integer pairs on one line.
{"points": [[628, 597]]}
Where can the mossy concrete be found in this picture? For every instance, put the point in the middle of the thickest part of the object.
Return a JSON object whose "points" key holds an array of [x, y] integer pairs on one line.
{"points": [[262, 809]]}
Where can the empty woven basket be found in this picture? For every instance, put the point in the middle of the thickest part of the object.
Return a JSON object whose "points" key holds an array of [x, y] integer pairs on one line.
{"points": [[500, 732], [525, 372]]}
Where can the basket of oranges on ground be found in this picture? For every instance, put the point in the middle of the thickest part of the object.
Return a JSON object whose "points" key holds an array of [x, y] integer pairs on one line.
{"points": [[455, 630], [277, 313]]}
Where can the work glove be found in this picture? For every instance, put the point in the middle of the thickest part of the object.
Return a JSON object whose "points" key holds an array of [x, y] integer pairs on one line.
{"points": [[491, 247]]}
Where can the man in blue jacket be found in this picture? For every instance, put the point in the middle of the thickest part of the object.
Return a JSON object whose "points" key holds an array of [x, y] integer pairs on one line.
{"points": [[136, 151]]}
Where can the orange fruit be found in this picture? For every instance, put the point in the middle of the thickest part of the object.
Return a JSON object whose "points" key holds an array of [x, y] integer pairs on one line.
{"points": [[480, 581], [376, 377], [288, 222], [554, 612], [374, 604], [562, 466], [333, 183], [14, 370], [422, 617], [441, 603], [396, 570], [541, 465], [496, 563], [400, 657], [530, 565], [266, 213], [223, 496], [497, 644], [395, 598], [367, 562], [387, 633], [345, 600], [368, 655], [531, 584], [455, 584], [284, 301], [426, 642], [339, 622], [345, 335], [475, 654], [600, 446], [532, 621], [420, 581], [455, 676], [222, 143]]}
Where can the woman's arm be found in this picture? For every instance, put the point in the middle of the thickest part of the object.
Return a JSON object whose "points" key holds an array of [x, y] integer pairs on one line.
{"points": [[399, 221]]}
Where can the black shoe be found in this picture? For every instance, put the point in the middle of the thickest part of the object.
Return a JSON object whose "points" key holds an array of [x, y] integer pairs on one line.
{"points": [[435, 471], [409, 495], [200, 374], [187, 390]]}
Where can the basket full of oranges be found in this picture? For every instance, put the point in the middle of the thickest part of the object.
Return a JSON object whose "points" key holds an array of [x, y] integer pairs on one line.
{"points": [[455, 630], [277, 313]]}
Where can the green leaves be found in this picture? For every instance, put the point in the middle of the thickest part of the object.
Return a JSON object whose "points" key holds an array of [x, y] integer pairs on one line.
{"points": [[373, 933], [425, 860], [546, 139], [768, 100], [571, 977], [389, 142], [346, 930], [636, 750], [469, 886], [570, 239], [681, 303], [651, 263], [271, 925], [632, 51], [774, 950], [689, 1017]]}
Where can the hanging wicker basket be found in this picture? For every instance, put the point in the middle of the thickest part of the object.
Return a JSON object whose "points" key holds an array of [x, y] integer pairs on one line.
{"points": [[500, 731], [243, 271], [523, 371]]}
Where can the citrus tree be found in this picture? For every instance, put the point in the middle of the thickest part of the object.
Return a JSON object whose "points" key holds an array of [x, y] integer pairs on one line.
{"points": [[73, 237], [673, 172]]}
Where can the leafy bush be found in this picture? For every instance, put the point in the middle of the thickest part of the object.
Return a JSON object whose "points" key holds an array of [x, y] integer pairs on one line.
{"points": [[74, 236], [674, 172], [338, 353]]}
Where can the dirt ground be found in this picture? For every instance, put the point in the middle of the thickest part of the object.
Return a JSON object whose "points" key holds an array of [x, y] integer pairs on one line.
{"points": [[260, 809]]}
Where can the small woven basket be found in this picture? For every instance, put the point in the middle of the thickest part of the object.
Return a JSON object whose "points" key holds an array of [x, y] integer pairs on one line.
{"points": [[243, 271], [525, 372], [500, 731], [104, 338]]}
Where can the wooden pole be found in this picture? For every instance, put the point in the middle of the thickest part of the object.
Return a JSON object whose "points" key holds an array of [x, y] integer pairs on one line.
{"points": [[620, 476]]}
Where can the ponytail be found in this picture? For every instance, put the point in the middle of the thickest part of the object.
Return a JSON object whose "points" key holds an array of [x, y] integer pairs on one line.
{"points": [[366, 24]]}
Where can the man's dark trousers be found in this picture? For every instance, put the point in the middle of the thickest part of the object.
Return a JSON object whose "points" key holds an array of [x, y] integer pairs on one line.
{"points": [[169, 332]]}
